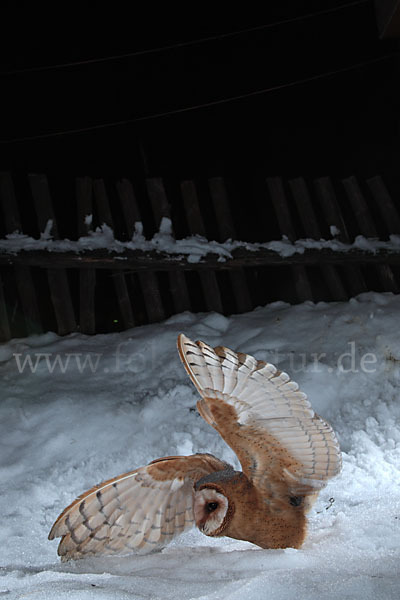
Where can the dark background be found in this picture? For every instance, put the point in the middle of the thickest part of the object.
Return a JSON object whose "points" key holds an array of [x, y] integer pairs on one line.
{"points": [[296, 89], [343, 121]]}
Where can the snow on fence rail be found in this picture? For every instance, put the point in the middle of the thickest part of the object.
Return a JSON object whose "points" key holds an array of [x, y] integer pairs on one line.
{"points": [[200, 255], [142, 294]]}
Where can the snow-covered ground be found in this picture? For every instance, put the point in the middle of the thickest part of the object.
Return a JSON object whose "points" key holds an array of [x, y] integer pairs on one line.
{"points": [[79, 409]]}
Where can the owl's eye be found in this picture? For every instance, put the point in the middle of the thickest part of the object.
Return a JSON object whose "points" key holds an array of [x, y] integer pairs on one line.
{"points": [[295, 500], [211, 506]]}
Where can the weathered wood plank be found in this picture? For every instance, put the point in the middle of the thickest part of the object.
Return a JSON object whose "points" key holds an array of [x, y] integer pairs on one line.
{"points": [[23, 275], [333, 215], [211, 291], [124, 300], [305, 208], [87, 287], [5, 332], [118, 278], [102, 203], [9, 203], [311, 228], [87, 277], [219, 197], [61, 300], [43, 204], [280, 204], [208, 279], [330, 207], [148, 280], [385, 204], [28, 298], [58, 280], [227, 230], [367, 228], [360, 207], [160, 206], [137, 260], [130, 208], [158, 199], [191, 207], [152, 296], [241, 291]]}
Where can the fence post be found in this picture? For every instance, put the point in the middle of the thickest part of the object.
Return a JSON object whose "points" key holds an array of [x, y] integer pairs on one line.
{"points": [[105, 217], [279, 201], [227, 229], [367, 228], [23, 275], [333, 216], [208, 279], [311, 228], [161, 208], [58, 279], [148, 279]]}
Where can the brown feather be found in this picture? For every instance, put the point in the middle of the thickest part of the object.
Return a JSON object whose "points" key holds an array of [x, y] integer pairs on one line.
{"points": [[139, 510]]}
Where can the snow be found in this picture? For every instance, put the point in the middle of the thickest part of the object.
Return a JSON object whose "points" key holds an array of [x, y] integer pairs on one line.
{"points": [[195, 247], [77, 410], [334, 230]]}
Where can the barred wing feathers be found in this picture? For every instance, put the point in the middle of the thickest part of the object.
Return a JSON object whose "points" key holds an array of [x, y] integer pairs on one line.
{"points": [[263, 416], [142, 510]]}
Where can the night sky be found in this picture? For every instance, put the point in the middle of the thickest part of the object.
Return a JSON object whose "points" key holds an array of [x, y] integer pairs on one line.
{"points": [[342, 123]]}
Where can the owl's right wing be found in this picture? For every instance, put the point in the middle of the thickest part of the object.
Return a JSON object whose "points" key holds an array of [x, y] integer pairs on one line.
{"points": [[140, 510], [264, 418]]}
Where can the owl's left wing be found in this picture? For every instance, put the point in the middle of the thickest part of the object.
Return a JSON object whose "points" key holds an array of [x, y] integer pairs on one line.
{"points": [[264, 418], [140, 510]]}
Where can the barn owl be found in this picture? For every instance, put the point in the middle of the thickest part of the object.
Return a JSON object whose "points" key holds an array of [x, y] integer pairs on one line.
{"points": [[287, 454]]}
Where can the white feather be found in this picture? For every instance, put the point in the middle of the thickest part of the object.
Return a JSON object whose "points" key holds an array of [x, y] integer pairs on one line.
{"points": [[269, 402]]}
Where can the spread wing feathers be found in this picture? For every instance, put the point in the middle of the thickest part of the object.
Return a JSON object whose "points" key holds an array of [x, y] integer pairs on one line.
{"points": [[141, 510], [263, 416]]}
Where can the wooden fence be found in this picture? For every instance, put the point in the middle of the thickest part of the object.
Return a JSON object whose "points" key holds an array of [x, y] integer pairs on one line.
{"points": [[98, 291]]}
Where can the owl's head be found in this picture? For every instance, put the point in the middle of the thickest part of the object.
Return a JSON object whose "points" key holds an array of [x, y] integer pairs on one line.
{"points": [[212, 510]]}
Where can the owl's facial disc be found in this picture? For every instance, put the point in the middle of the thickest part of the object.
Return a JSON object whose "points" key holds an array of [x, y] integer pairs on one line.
{"points": [[210, 508]]}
